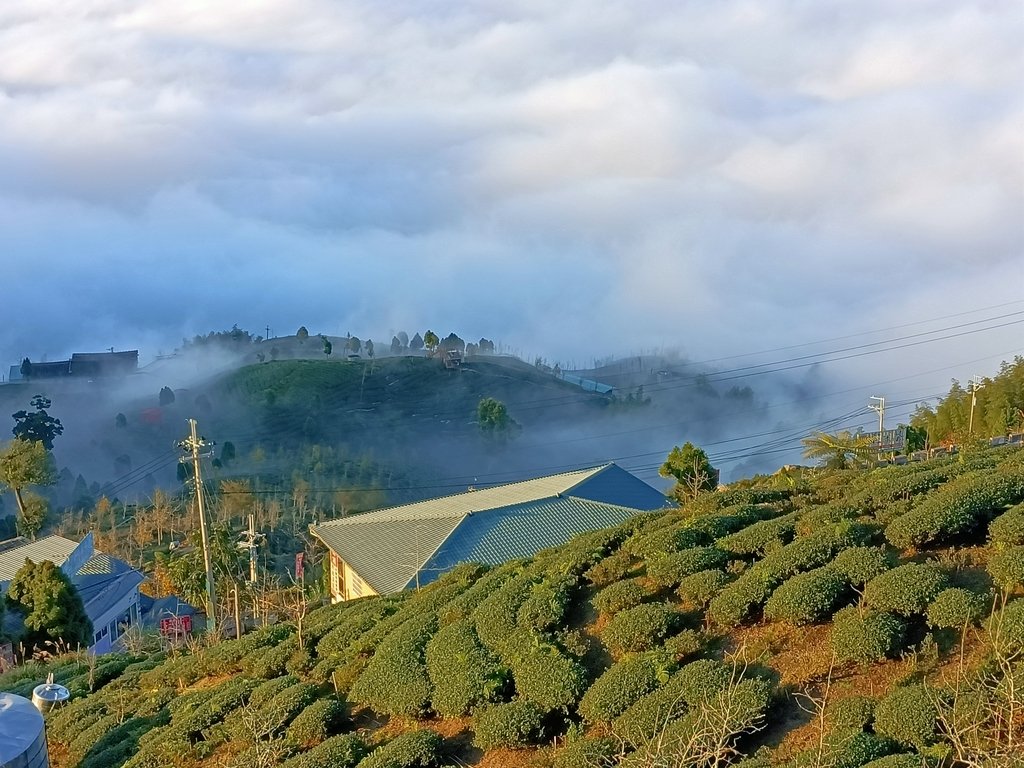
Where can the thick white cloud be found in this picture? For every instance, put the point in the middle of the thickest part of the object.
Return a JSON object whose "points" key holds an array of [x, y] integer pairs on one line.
{"points": [[574, 178]]}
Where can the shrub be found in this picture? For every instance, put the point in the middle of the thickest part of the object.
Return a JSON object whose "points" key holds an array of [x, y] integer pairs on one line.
{"points": [[686, 643], [760, 538], [1007, 567], [895, 761], [851, 712], [546, 676], [268, 663], [824, 515], [515, 724], [415, 749], [955, 608], [587, 753], [853, 748], [621, 595], [610, 570], [1008, 528], [290, 702], [701, 588], [318, 721], [866, 637], [1006, 626], [395, 681], [861, 564], [462, 672], [344, 751], [640, 628], [495, 616], [807, 597], [622, 684], [649, 714], [906, 589], [702, 679], [546, 604], [668, 570], [908, 716]]}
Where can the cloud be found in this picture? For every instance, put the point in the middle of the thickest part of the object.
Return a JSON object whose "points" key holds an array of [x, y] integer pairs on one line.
{"points": [[574, 179]]}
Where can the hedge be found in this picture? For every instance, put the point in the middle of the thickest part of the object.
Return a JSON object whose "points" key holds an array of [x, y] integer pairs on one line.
{"points": [[1007, 568], [415, 749], [546, 603], [907, 715], [495, 618], [587, 753], [462, 672], [344, 751], [1006, 626], [807, 597], [955, 608], [702, 587], [317, 722], [395, 681], [610, 570], [640, 628], [1008, 528], [866, 637], [667, 570], [761, 537], [906, 589], [896, 761], [546, 676], [851, 712], [861, 564], [622, 684], [854, 748], [515, 724], [621, 595]]}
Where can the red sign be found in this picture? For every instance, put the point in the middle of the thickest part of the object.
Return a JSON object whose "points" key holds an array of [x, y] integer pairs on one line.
{"points": [[300, 562], [176, 625]]}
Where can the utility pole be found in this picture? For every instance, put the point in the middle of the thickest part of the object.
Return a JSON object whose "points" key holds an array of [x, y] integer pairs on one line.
{"points": [[880, 410], [193, 444], [250, 540], [976, 384]]}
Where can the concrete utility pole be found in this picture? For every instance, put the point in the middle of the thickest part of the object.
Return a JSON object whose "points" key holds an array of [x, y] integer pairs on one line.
{"points": [[880, 410], [976, 384], [193, 444]]}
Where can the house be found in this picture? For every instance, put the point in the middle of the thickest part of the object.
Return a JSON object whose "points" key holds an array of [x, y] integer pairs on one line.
{"points": [[389, 550], [109, 587], [170, 615]]}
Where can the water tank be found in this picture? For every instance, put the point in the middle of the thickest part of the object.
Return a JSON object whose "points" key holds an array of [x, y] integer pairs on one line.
{"points": [[49, 696], [22, 734]]}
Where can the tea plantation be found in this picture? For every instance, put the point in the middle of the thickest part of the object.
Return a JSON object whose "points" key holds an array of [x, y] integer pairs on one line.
{"points": [[839, 618]]}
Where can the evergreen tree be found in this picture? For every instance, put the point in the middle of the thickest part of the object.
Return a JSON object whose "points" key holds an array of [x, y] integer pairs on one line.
{"points": [[692, 471], [38, 424], [52, 608]]}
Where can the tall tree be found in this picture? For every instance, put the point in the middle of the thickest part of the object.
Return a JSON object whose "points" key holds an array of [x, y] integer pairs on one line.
{"points": [[302, 334], [52, 607], [416, 343], [38, 424], [368, 346], [166, 396], [328, 346], [23, 463], [26, 368], [493, 417], [692, 470], [839, 450], [430, 341], [32, 517]]}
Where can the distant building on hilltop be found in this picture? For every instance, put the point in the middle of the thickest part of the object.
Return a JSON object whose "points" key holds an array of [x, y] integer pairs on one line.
{"points": [[381, 552], [82, 365], [109, 587]]}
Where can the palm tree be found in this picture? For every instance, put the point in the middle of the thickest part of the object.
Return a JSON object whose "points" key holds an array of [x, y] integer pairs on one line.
{"points": [[838, 450]]}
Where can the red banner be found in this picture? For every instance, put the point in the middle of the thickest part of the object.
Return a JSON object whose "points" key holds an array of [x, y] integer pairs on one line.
{"points": [[300, 562]]}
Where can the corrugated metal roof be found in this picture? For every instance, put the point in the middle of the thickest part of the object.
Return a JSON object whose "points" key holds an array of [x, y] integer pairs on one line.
{"points": [[56, 549], [389, 547]]}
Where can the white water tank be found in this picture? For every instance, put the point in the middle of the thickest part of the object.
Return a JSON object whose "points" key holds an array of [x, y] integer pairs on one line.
{"points": [[49, 696], [22, 734]]}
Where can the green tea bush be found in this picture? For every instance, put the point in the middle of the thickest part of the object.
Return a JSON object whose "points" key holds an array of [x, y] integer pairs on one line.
{"points": [[621, 595], [761, 537], [588, 752], [854, 748], [649, 714], [906, 589], [855, 712], [463, 605], [344, 751], [318, 721], [861, 564], [611, 569], [896, 761], [267, 690], [701, 679], [515, 724], [395, 681], [668, 570], [414, 749], [1007, 567], [640, 628], [462, 672], [824, 515], [284, 707], [689, 642], [1006, 626], [807, 597], [337, 640], [624, 683], [496, 615], [547, 603], [907, 715], [956, 608], [546, 676], [1008, 528], [866, 637], [702, 587], [269, 662]]}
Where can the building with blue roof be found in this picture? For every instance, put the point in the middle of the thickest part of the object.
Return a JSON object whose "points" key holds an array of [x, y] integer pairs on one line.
{"points": [[389, 550]]}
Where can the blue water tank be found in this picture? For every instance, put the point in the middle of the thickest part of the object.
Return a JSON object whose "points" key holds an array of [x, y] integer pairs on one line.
{"points": [[22, 734]]}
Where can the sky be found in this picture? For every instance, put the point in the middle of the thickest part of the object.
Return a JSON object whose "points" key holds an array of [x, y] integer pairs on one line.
{"points": [[572, 179]]}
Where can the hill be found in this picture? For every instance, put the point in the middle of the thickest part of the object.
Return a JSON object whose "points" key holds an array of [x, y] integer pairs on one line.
{"points": [[843, 618]]}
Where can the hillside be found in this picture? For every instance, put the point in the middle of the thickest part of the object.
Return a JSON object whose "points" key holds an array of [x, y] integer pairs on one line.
{"points": [[838, 618]]}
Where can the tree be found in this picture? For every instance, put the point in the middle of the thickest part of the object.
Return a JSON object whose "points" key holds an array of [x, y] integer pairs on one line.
{"points": [[430, 341], [26, 368], [486, 346], [25, 462], [166, 396], [416, 343], [32, 517], [328, 347], [38, 424], [838, 450], [353, 345], [452, 341], [120, 421], [369, 348], [302, 333], [493, 418], [692, 471], [227, 453], [52, 608], [396, 346]]}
